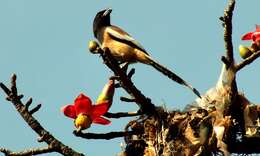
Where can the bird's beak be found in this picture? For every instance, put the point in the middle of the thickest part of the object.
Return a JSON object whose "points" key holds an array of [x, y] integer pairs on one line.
{"points": [[107, 12]]}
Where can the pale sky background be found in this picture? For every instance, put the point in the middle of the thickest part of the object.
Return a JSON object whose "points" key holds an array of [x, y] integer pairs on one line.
{"points": [[45, 44]]}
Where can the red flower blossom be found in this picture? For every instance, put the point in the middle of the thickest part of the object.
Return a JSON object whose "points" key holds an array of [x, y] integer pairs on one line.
{"points": [[85, 113], [254, 36]]}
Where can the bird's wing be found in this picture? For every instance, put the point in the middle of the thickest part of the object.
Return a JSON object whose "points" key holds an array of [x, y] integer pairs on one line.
{"points": [[120, 35]]}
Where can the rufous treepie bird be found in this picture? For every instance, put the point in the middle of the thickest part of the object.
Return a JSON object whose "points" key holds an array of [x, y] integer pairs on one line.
{"points": [[126, 49]]}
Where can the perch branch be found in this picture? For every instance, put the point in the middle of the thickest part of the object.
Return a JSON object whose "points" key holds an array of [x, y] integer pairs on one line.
{"points": [[107, 136], [33, 151], [248, 60], [57, 145], [144, 103]]}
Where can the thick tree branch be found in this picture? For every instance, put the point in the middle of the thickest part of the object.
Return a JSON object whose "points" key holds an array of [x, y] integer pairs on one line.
{"points": [[33, 123], [227, 23], [248, 60], [107, 136], [228, 59], [33, 151]]}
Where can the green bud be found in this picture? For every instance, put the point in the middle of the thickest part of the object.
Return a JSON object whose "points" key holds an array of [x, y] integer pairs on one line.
{"points": [[93, 46], [244, 51]]}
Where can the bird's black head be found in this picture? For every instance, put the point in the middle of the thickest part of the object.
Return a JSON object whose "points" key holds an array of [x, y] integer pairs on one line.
{"points": [[101, 19]]}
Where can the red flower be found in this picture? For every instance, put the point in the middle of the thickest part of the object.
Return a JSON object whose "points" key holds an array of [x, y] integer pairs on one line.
{"points": [[85, 113], [254, 36]]}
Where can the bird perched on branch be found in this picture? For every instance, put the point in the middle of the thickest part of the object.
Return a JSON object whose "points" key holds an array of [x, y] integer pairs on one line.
{"points": [[126, 49]]}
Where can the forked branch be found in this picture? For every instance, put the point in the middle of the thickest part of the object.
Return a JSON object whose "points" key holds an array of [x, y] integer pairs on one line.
{"points": [[144, 103], [227, 24], [54, 145]]}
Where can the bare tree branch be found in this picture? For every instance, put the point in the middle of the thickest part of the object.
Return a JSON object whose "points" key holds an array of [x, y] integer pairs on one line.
{"points": [[5, 89], [227, 23], [28, 103], [131, 73], [121, 114], [125, 99], [228, 59], [107, 136], [57, 145], [248, 60], [225, 61], [144, 103], [35, 109], [33, 151]]}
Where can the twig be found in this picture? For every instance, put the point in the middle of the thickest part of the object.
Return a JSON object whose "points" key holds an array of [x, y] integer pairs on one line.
{"points": [[131, 73], [5, 89], [20, 96], [121, 114], [227, 23], [13, 84], [35, 109], [107, 136], [125, 99], [225, 61], [28, 103], [33, 123], [33, 151], [248, 60]]}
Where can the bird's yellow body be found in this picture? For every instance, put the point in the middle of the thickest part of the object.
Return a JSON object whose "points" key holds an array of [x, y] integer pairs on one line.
{"points": [[123, 51], [125, 48]]}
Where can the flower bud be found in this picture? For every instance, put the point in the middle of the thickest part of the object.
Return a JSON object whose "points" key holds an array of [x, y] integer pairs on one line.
{"points": [[93, 46], [107, 93], [244, 51]]}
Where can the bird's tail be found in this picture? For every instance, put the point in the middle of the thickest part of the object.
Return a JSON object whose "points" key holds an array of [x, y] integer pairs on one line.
{"points": [[172, 75]]}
